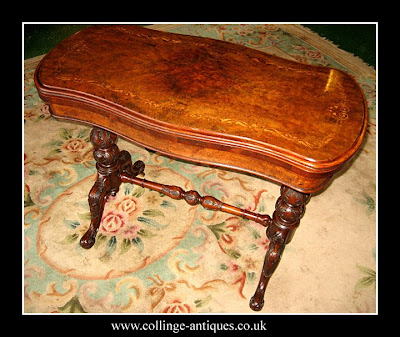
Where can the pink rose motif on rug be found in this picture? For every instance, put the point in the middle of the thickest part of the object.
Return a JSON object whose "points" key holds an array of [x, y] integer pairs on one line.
{"points": [[131, 236]]}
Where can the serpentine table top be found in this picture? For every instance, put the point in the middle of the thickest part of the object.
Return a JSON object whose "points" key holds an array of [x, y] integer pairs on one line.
{"points": [[208, 101]]}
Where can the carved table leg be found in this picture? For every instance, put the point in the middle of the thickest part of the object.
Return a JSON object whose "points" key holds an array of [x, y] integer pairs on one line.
{"points": [[106, 154], [110, 164], [289, 209]]}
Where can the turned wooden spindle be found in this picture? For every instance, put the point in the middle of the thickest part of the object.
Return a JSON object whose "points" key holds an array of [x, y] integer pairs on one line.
{"points": [[194, 198]]}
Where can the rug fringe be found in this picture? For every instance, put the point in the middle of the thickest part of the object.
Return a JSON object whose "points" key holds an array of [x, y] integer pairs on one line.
{"points": [[347, 59]]}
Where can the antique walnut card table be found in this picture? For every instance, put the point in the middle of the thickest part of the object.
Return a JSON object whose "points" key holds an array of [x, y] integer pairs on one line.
{"points": [[209, 102]]}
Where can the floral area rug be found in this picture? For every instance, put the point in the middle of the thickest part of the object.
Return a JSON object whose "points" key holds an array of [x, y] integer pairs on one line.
{"points": [[154, 254]]}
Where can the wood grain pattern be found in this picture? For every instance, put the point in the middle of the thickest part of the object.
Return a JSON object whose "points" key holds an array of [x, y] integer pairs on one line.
{"points": [[200, 99]]}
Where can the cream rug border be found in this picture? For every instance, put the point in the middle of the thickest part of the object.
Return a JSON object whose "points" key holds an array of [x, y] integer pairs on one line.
{"points": [[33, 60]]}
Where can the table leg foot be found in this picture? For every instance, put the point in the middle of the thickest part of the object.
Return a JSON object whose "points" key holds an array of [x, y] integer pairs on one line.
{"points": [[97, 199], [257, 302], [289, 209]]}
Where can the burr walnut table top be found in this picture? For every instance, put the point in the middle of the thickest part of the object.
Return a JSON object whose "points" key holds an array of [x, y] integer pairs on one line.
{"points": [[208, 101]]}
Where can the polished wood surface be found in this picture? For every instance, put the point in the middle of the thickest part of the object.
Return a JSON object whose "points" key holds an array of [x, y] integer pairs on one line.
{"points": [[208, 101]]}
